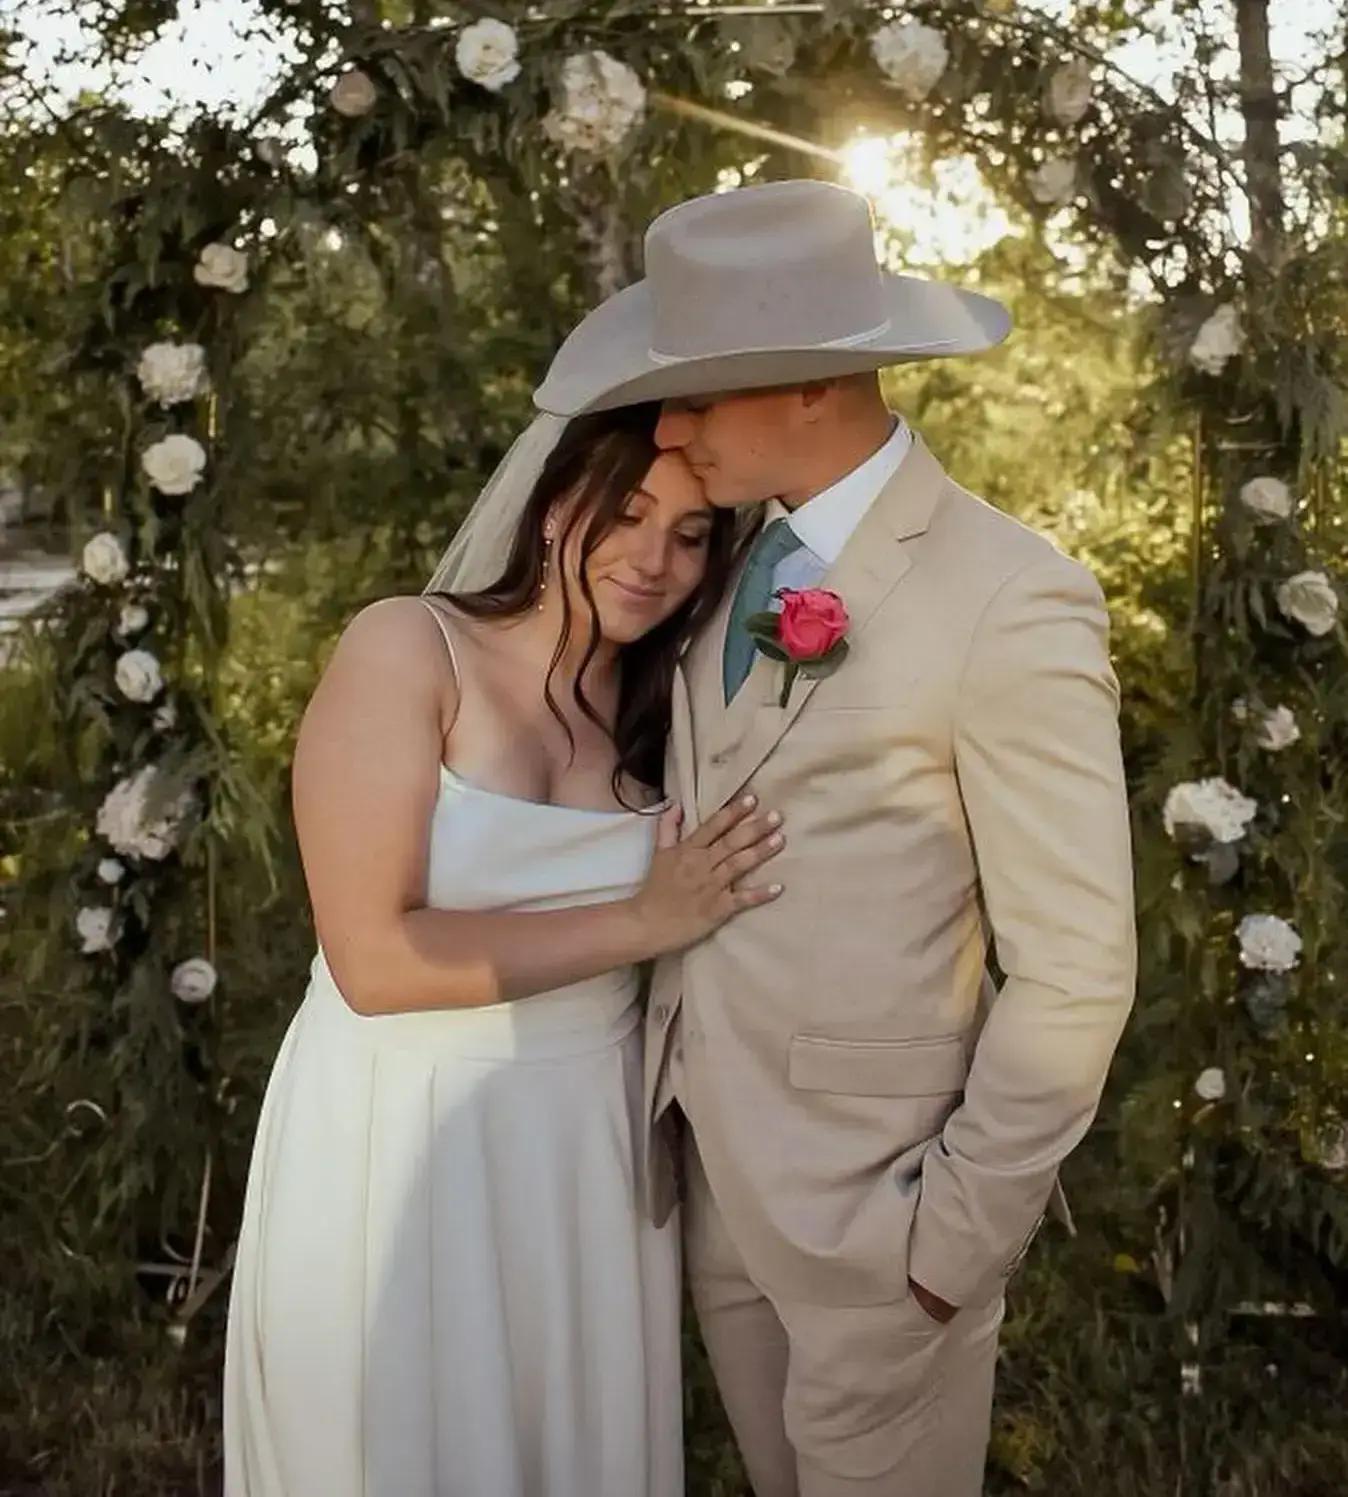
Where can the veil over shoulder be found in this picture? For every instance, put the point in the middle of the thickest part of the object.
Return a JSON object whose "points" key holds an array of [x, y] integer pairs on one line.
{"points": [[477, 555]]}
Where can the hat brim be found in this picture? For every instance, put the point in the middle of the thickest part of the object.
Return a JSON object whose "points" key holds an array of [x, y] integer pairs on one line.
{"points": [[608, 360]]}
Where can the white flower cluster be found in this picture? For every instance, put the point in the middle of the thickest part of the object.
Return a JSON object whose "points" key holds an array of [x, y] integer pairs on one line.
{"points": [[173, 372], [1212, 806], [487, 53], [175, 464], [1310, 599], [132, 827], [131, 620], [104, 560], [601, 101], [1054, 181], [1277, 730], [138, 676], [354, 94], [1329, 1148], [912, 56], [220, 267], [1211, 1084], [96, 928], [1268, 944], [270, 150], [1069, 92], [1267, 499], [1219, 339], [193, 981]]}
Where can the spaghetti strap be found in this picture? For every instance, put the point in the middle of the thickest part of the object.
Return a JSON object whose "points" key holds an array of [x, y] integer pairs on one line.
{"points": [[444, 634]]}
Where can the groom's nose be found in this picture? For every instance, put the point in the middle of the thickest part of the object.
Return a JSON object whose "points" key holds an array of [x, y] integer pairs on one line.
{"points": [[675, 428]]}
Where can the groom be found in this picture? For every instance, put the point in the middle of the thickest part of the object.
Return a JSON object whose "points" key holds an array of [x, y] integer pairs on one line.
{"points": [[865, 1132]]}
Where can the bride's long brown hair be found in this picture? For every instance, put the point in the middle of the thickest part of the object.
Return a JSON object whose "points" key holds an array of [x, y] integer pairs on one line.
{"points": [[599, 463]]}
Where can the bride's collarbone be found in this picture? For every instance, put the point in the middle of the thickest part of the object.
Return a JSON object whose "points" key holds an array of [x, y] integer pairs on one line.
{"points": [[528, 757], [505, 737]]}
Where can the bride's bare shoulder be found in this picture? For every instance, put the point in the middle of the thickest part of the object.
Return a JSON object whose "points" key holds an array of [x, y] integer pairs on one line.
{"points": [[398, 638]]}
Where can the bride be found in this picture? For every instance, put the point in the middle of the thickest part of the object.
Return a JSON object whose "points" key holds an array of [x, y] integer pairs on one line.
{"points": [[444, 1284]]}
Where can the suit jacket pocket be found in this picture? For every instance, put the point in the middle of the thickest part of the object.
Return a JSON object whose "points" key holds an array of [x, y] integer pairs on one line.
{"points": [[878, 1068]]}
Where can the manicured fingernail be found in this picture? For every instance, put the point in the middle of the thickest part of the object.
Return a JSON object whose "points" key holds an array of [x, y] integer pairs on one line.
{"points": [[749, 802], [775, 888], [776, 840], [774, 818]]}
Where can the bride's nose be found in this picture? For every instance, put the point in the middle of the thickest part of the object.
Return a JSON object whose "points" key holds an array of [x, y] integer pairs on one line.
{"points": [[649, 552]]}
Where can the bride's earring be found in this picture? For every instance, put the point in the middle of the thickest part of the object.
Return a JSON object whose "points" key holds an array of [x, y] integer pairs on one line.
{"points": [[547, 564]]}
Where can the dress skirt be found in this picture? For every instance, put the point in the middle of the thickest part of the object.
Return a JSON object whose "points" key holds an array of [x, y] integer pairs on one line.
{"points": [[445, 1285]]}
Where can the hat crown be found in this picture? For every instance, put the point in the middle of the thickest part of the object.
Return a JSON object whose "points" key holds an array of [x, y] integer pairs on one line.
{"points": [[782, 265]]}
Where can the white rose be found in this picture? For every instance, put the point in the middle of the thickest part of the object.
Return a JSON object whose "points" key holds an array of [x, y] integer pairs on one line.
{"points": [[1220, 338], [138, 676], [1310, 599], [104, 559], [173, 372], [911, 56], [222, 268], [1330, 1147], [1211, 1084], [166, 717], [1268, 944], [175, 465], [129, 823], [601, 100], [353, 94], [486, 53], [1267, 498], [111, 871], [131, 620], [1054, 181], [1215, 806], [94, 926], [193, 981], [270, 150], [1277, 730], [1069, 91]]}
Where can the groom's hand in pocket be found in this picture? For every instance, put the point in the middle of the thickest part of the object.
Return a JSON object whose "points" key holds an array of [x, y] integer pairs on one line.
{"points": [[940, 1310]]}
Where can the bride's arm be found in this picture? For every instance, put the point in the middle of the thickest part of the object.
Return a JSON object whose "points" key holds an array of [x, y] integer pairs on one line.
{"points": [[365, 780]]}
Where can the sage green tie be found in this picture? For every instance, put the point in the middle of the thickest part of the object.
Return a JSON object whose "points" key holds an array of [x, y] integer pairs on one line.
{"points": [[774, 542]]}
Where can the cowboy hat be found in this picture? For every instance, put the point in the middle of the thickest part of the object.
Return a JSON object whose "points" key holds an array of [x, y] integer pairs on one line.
{"points": [[769, 285]]}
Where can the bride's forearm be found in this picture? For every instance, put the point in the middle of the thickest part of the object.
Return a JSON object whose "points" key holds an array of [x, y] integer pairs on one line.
{"points": [[445, 959]]}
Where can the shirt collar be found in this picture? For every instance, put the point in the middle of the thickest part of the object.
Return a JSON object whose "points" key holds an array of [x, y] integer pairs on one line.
{"points": [[825, 523]]}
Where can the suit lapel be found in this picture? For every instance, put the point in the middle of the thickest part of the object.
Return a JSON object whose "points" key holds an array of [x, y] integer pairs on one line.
{"points": [[733, 742], [683, 757]]}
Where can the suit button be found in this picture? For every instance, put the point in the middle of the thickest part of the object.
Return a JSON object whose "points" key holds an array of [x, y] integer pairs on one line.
{"points": [[718, 759], [661, 1013]]}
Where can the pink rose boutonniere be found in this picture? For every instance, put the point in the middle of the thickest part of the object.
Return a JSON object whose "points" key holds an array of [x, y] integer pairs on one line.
{"points": [[809, 635]]}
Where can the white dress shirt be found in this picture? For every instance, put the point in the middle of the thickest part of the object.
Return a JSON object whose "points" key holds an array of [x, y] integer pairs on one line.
{"points": [[825, 523]]}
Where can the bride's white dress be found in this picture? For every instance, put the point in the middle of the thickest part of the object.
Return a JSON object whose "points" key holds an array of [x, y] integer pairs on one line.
{"points": [[444, 1283]]}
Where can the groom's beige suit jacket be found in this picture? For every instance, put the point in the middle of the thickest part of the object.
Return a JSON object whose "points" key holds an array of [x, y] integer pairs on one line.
{"points": [[865, 1104]]}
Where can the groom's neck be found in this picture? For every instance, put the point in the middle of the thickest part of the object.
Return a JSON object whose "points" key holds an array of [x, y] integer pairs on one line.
{"points": [[837, 447]]}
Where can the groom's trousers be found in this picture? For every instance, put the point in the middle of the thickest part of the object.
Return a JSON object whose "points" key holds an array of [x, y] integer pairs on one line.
{"points": [[864, 1401]]}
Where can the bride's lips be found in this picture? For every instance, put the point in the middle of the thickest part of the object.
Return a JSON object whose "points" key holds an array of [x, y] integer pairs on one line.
{"points": [[637, 594]]}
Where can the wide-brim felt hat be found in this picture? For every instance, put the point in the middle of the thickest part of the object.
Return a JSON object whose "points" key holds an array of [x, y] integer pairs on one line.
{"points": [[770, 285]]}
